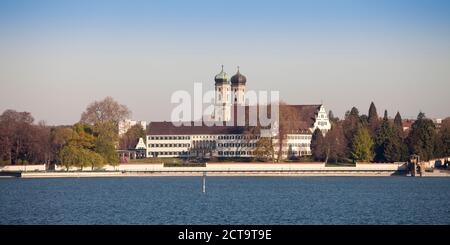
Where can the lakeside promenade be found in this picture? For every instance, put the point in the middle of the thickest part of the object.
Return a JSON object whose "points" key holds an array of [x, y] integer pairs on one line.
{"points": [[217, 169]]}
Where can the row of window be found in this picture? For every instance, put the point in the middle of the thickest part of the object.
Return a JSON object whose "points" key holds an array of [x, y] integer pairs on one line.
{"points": [[236, 145], [297, 153], [169, 137], [185, 153], [234, 153], [167, 153], [222, 137], [238, 137], [219, 145], [299, 137], [223, 153]]}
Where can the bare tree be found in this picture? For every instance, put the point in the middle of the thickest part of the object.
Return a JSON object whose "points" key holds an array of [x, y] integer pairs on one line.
{"points": [[334, 144], [107, 110], [14, 135]]}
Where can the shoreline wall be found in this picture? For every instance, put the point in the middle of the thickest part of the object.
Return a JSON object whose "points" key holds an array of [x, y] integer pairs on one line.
{"points": [[213, 166]]}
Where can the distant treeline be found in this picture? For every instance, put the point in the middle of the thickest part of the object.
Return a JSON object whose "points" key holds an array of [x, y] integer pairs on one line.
{"points": [[371, 138]]}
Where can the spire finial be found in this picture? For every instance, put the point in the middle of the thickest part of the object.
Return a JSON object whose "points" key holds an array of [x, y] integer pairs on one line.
{"points": [[222, 67], [238, 68]]}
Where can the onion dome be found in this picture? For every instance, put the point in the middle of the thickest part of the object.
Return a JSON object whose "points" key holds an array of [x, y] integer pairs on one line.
{"points": [[221, 77], [238, 78]]}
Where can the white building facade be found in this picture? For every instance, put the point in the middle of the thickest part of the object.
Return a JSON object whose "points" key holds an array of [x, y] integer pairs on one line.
{"points": [[167, 140]]}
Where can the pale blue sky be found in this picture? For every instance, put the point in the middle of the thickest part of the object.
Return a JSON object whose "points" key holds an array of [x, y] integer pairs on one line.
{"points": [[57, 56]]}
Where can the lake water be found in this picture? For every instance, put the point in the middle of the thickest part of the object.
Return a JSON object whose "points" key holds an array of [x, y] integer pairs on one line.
{"points": [[229, 200]]}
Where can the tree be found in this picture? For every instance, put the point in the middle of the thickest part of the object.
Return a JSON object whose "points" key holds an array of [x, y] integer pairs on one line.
{"points": [[394, 149], [398, 121], [334, 144], [74, 156], [373, 115], [264, 149], [103, 111], [442, 148], [362, 145], [83, 136], [13, 129], [60, 137], [131, 137], [317, 143], [69, 156], [421, 139], [373, 120], [106, 137], [350, 125], [332, 118], [384, 132], [40, 150], [389, 146], [93, 159]]}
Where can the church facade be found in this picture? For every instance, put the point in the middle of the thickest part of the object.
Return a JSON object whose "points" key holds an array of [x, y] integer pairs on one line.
{"points": [[167, 140]]}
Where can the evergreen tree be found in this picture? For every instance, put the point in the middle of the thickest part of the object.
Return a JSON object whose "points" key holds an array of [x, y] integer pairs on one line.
{"points": [[362, 146], [389, 144], [372, 119], [442, 146], [317, 143], [354, 112], [395, 149], [421, 139], [445, 136], [373, 115], [383, 134], [350, 125], [398, 121], [332, 118], [364, 120]]}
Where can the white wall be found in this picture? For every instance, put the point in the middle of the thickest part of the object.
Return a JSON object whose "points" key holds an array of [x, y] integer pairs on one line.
{"points": [[39, 167]]}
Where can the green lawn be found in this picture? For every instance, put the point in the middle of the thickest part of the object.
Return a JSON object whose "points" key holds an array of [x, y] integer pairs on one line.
{"points": [[346, 164], [157, 160]]}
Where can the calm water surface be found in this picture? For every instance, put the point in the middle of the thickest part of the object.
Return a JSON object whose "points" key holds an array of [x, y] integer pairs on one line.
{"points": [[229, 200]]}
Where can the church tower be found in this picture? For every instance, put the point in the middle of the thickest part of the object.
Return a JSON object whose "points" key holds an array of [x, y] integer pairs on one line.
{"points": [[222, 109], [238, 82]]}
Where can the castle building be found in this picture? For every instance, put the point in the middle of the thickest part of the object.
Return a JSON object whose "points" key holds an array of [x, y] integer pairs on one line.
{"points": [[164, 139]]}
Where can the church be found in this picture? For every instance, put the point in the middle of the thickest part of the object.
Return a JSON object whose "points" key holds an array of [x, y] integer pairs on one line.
{"points": [[164, 139]]}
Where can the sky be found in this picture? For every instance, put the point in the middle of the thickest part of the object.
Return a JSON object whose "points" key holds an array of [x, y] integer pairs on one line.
{"points": [[56, 57]]}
